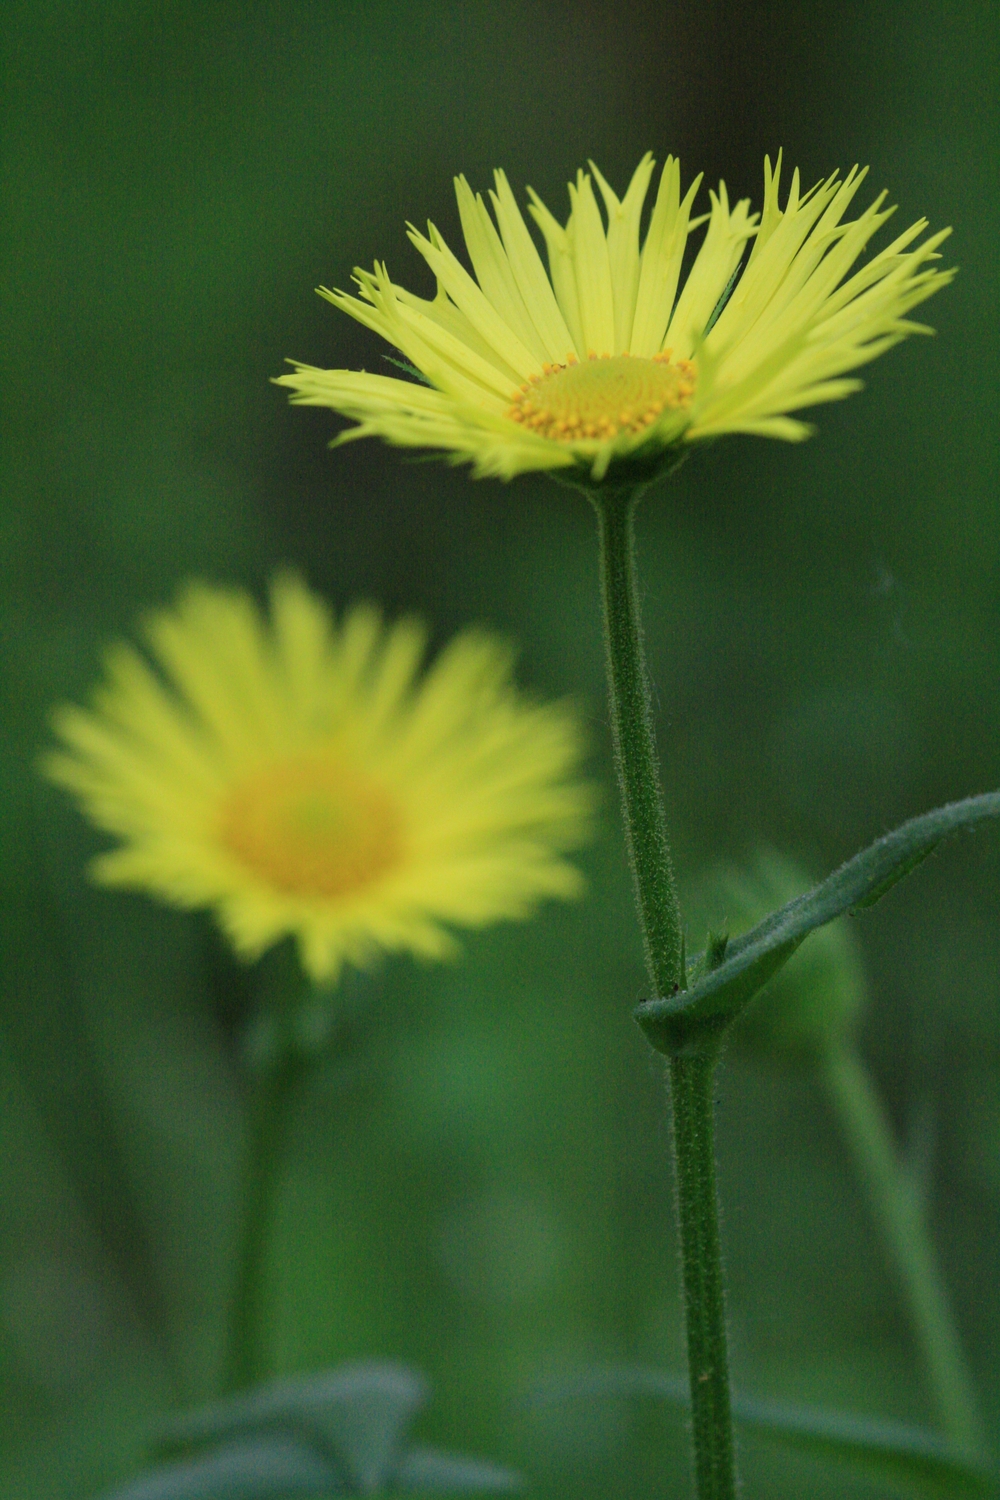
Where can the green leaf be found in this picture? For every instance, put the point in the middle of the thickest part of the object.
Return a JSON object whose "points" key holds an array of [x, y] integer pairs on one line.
{"points": [[272, 1468], [815, 1000], [912, 1463], [695, 1018], [427, 1471], [353, 1420], [356, 1416], [893, 879], [909, 1460]]}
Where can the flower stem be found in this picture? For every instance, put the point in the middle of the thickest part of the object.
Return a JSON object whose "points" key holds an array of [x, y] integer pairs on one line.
{"points": [[704, 1295], [899, 1212], [690, 1075], [635, 744], [247, 1359]]}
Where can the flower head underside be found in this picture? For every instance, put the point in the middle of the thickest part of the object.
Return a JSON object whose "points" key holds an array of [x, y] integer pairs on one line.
{"points": [[611, 361]]}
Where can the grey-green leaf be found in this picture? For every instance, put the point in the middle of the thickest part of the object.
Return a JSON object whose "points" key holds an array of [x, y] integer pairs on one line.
{"points": [[357, 1415], [910, 1462], [427, 1471], [264, 1468], [697, 1016]]}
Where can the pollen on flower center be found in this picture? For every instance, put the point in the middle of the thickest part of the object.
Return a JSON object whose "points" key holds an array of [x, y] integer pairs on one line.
{"points": [[599, 398], [310, 826]]}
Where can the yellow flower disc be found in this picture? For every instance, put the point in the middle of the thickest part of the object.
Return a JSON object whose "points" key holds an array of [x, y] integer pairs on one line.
{"points": [[599, 398], [311, 827]]}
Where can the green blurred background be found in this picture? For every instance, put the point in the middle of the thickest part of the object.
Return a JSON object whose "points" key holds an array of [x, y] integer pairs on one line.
{"points": [[480, 1188]]}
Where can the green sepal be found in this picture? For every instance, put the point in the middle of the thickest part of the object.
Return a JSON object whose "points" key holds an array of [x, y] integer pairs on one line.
{"points": [[720, 306], [411, 370], [628, 475], [695, 1020], [715, 952]]}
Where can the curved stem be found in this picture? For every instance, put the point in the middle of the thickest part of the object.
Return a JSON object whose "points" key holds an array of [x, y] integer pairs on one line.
{"points": [[690, 1076], [901, 1219], [246, 1355]]}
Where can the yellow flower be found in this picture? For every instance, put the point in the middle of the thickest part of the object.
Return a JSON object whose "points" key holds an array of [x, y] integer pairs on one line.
{"points": [[602, 367], [301, 777]]}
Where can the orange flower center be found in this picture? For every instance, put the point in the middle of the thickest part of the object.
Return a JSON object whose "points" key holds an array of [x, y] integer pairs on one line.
{"points": [[599, 398], [310, 826]]}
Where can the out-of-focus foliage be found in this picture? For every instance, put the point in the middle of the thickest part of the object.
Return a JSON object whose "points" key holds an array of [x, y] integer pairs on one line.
{"points": [[817, 997], [477, 1187], [340, 1432], [907, 1461]]}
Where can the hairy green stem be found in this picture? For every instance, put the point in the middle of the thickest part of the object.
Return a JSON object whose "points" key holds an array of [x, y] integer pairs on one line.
{"points": [[690, 1076], [247, 1360], [691, 1080], [635, 744], [899, 1212]]}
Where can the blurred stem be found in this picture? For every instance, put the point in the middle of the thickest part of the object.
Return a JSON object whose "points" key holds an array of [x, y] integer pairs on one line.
{"points": [[247, 1360], [899, 1211], [660, 917]]}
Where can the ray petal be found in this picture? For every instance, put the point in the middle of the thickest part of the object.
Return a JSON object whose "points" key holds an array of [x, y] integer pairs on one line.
{"points": [[589, 249], [561, 267], [493, 269], [623, 246], [529, 273], [714, 264], [480, 312]]}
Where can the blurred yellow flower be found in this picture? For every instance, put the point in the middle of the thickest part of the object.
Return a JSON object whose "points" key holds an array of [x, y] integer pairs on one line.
{"points": [[302, 778], [601, 365]]}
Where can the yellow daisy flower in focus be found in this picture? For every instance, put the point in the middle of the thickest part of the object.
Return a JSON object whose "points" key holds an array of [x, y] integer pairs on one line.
{"points": [[607, 366], [303, 778]]}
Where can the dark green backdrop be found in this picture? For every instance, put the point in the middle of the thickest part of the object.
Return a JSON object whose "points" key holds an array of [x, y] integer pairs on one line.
{"points": [[482, 1190]]}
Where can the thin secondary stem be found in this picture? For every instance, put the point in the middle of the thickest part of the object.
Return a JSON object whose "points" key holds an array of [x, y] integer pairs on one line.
{"points": [[900, 1215], [246, 1355], [690, 1076]]}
